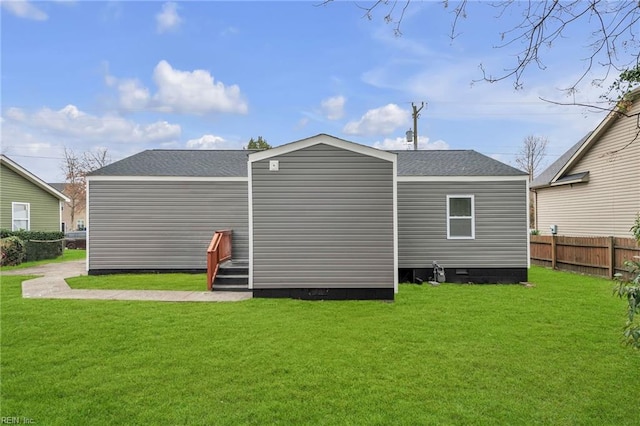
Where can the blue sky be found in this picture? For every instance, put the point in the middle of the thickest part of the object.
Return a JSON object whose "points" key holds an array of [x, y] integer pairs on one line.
{"points": [[131, 76]]}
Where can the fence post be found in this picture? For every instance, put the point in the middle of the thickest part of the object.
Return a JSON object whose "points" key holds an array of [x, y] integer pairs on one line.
{"points": [[554, 252], [612, 257]]}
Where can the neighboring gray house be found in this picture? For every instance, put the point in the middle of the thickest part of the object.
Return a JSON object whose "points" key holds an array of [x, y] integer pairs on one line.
{"points": [[317, 218]]}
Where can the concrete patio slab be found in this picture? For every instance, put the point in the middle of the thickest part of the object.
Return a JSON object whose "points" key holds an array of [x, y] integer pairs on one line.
{"points": [[52, 285]]}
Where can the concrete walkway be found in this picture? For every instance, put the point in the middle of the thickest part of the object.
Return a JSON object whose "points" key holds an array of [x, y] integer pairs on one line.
{"points": [[52, 285]]}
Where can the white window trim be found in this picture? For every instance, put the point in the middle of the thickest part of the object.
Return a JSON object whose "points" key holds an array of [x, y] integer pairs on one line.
{"points": [[472, 217], [13, 218]]}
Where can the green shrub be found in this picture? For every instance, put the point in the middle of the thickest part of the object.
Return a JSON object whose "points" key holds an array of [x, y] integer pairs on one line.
{"points": [[13, 251], [630, 290], [38, 244]]}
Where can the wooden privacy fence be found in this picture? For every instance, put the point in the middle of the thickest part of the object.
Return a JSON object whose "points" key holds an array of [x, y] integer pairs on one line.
{"points": [[602, 256]]}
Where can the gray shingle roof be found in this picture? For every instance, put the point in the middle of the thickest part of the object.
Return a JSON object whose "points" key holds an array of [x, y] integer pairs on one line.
{"points": [[59, 186], [191, 163], [544, 178], [233, 163], [451, 163]]}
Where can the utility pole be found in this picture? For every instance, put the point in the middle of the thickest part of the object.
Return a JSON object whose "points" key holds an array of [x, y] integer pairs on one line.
{"points": [[415, 114]]}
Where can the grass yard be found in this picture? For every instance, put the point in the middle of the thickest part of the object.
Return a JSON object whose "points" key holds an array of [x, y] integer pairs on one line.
{"points": [[453, 354], [187, 282], [67, 255]]}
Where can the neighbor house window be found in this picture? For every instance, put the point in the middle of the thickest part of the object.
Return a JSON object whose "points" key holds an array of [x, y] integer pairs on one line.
{"points": [[81, 225], [460, 217], [20, 216]]}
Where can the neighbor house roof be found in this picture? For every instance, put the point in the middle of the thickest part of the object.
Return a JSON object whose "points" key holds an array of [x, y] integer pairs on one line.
{"points": [[12, 165], [58, 186], [556, 173], [233, 163], [545, 178]]}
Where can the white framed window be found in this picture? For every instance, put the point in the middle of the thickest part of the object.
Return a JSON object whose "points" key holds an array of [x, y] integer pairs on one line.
{"points": [[461, 223], [80, 224], [20, 216]]}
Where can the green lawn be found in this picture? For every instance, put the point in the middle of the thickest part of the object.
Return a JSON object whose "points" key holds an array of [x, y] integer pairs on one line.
{"points": [[67, 255], [453, 354], [191, 282]]}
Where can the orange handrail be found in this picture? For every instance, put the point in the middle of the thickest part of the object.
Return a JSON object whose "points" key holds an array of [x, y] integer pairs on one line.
{"points": [[219, 250]]}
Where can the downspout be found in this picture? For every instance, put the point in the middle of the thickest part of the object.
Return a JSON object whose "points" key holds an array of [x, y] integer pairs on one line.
{"points": [[535, 208]]}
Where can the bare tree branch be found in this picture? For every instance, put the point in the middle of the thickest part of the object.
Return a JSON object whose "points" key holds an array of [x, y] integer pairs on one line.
{"points": [[635, 138], [615, 109], [529, 158], [614, 31], [531, 154], [621, 108], [613, 45], [75, 168]]}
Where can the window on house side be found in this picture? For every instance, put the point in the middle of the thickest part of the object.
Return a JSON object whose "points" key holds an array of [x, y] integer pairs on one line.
{"points": [[20, 217], [460, 217], [80, 226]]}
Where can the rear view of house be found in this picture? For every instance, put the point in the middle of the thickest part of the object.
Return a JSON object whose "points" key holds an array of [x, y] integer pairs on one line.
{"points": [[318, 218]]}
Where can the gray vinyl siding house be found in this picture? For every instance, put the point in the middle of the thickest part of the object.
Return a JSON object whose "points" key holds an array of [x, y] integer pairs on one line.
{"points": [[324, 219], [497, 253], [157, 210], [317, 218], [165, 224]]}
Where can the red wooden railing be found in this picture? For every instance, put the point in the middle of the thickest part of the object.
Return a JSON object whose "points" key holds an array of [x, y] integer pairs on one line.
{"points": [[219, 250]]}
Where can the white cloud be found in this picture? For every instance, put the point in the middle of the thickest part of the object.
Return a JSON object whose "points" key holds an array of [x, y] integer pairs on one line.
{"points": [[24, 9], [229, 31], [206, 142], [194, 92], [70, 122], [35, 139], [170, 145], [183, 92], [446, 85], [168, 19], [401, 143], [15, 114], [379, 121], [133, 96], [302, 123], [405, 45], [503, 159], [158, 131], [333, 107]]}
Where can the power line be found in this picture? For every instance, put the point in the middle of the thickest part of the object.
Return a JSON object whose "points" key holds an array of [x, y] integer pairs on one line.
{"points": [[36, 156]]}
